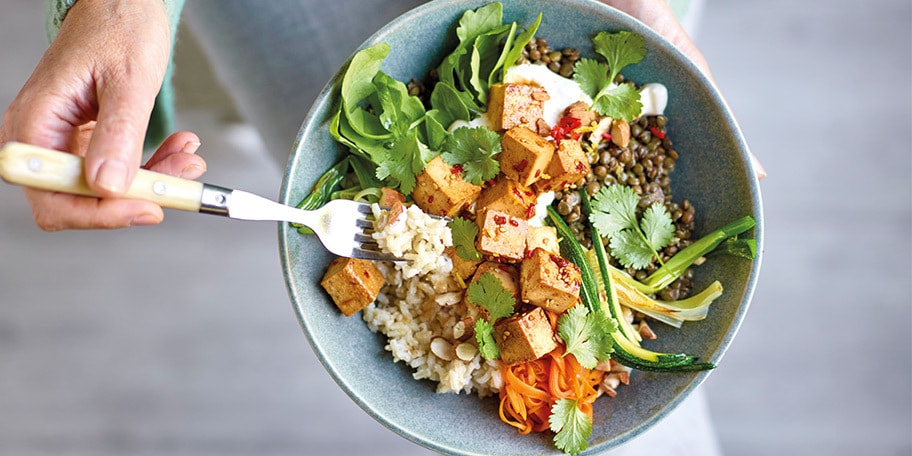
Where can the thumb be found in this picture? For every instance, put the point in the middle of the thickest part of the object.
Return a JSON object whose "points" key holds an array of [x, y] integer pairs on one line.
{"points": [[115, 149]]}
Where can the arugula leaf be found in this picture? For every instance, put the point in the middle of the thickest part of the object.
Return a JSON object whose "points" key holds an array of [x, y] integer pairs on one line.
{"points": [[474, 149], [511, 56], [489, 293], [633, 244], [586, 335], [571, 426], [464, 233], [484, 335], [357, 84], [620, 49]]}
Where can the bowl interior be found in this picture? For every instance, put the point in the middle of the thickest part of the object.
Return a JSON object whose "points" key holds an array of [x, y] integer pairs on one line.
{"points": [[713, 172]]}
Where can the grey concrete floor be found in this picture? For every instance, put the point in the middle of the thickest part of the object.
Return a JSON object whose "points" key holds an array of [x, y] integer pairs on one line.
{"points": [[180, 339]]}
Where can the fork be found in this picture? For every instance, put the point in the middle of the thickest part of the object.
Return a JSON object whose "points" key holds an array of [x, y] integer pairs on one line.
{"points": [[344, 227]]}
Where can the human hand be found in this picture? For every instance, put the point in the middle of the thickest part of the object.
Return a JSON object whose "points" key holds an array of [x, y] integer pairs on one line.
{"points": [[657, 15], [92, 94]]}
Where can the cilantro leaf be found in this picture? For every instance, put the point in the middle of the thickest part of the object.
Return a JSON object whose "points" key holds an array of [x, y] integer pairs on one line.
{"points": [[572, 427], [614, 209], [633, 244], [586, 335], [630, 249], [484, 335], [474, 150], [405, 160], [489, 293], [464, 233], [619, 49], [619, 102], [657, 225], [591, 75]]}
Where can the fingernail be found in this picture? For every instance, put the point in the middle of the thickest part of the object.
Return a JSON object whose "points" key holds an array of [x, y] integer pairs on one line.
{"points": [[191, 147], [144, 220], [191, 172], [112, 176]]}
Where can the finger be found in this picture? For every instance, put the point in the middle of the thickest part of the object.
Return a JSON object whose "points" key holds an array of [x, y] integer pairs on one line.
{"points": [[55, 211], [115, 149], [177, 157]]}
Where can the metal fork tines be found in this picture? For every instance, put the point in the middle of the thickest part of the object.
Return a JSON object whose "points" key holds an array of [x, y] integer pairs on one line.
{"points": [[345, 228]]}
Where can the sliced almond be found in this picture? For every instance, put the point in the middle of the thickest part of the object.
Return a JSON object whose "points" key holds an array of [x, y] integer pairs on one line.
{"points": [[442, 348], [466, 351]]}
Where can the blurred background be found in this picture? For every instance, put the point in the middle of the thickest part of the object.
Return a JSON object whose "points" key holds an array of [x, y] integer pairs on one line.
{"points": [[180, 338]]}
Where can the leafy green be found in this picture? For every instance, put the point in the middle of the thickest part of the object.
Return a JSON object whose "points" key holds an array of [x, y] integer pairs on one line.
{"points": [[587, 335], [379, 121], [474, 149], [489, 293], [464, 232], [484, 335], [633, 244], [571, 426], [596, 79], [619, 49]]}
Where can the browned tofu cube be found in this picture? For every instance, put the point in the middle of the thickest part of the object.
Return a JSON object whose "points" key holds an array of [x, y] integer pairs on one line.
{"points": [[441, 190], [502, 235], [549, 281], [542, 237], [507, 196], [568, 165], [512, 105], [352, 283], [462, 268], [524, 155], [524, 336]]}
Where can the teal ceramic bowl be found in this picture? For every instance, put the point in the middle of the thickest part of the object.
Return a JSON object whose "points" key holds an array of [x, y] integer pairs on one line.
{"points": [[714, 172]]}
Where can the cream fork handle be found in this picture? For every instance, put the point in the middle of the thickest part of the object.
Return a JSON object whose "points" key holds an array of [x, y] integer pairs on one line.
{"points": [[37, 167]]}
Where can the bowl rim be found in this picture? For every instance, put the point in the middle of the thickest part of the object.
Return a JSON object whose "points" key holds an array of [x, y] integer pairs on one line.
{"points": [[312, 121]]}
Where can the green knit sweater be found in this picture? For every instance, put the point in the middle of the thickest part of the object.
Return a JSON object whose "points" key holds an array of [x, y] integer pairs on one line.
{"points": [[162, 121]]}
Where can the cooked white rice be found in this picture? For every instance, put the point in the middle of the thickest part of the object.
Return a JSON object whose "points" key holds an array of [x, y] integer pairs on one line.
{"points": [[422, 303]]}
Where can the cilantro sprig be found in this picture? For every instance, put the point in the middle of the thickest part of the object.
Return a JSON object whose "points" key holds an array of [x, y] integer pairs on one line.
{"points": [[474, 149], [596, 79], [571, 426], [633, 243], [489, 293], [587, 335]]}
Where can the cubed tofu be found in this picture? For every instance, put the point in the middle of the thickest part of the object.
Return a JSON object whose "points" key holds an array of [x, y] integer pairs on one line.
{"points": [[524, 336], [462, 268], [568, 165], [512, 105], [524, 155], [542, 237], [549, 281], [352, 283], [507, 196], [441, 190], [502, 235]]}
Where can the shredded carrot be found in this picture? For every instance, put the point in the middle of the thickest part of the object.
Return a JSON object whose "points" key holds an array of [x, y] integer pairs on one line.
{"points": [[532, 388]]}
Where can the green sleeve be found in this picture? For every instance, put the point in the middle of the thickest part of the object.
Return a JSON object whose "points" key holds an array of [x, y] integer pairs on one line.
{"points": [[162, 121]]}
